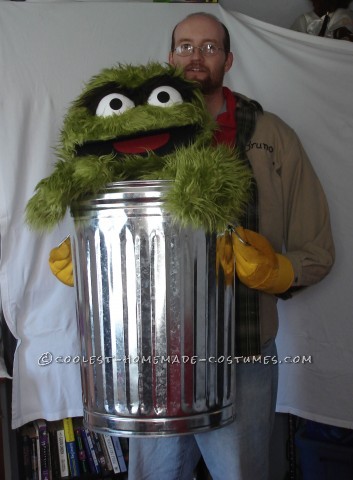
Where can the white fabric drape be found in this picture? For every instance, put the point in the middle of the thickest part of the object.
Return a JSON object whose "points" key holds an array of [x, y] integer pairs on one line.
{"points": [[47, 52]]}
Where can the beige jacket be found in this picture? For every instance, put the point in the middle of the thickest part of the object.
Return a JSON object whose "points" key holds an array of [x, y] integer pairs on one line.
{"points": [[293, 210]]}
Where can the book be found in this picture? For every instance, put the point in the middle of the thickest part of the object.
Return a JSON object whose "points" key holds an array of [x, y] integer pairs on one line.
{"points": [[99, 452], [82, 458], [105, 452], [34, 458], [119, 453], [70, 443], [29, 448], [43, 449], [111, 452], [90, 451], [25, 442], [63, 461], [54, 450]]}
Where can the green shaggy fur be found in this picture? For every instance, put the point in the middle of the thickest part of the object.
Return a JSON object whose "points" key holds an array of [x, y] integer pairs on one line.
{"points": [[211, 184]]}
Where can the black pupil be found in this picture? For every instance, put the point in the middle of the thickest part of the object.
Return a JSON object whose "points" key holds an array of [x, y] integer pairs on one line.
{"points": [[116, 104], [163, 97]]}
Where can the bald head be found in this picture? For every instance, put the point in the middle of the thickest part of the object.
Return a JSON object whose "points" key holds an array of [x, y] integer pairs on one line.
{"points": [[217, 24]]}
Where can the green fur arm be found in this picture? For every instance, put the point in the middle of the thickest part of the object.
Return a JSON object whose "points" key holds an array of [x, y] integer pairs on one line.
{"points": [[211, 188], [52, 196]]}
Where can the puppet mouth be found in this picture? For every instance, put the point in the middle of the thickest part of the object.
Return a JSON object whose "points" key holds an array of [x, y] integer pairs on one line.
{"points": [[142, 144], [161, 142]]}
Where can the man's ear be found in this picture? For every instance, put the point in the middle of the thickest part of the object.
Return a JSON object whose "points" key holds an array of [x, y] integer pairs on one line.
{"points": [[229, 62], [171, 59]]}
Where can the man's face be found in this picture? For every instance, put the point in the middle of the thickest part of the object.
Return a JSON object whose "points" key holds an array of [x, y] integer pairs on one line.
{"points": [[208, 71]]}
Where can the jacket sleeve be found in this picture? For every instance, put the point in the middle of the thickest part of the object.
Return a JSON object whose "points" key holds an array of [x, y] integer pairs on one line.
{"points": [[293, 210], [307, 231]]}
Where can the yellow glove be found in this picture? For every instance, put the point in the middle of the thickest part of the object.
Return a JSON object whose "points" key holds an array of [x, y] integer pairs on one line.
{"points": [[258, 266], [60, 262]]}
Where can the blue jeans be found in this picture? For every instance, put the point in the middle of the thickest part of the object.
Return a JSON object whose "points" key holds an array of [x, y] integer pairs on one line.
{"points": [[238, 451]]}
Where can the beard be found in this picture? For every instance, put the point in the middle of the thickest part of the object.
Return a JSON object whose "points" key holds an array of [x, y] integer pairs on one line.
{"points": [[209, 84]]}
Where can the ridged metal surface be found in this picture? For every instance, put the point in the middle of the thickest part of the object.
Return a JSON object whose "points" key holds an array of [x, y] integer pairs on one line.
{"points": [[155, 317]]}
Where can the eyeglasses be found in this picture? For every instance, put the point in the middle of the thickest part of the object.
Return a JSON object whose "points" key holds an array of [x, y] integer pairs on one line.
{"points": [[207, 50]]}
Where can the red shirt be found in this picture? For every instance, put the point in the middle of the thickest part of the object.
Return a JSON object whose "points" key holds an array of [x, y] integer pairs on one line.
{"points": [[226, 121]]}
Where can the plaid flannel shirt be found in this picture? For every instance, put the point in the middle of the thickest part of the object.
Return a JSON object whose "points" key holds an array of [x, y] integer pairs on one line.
{"points": [[247, 325]]}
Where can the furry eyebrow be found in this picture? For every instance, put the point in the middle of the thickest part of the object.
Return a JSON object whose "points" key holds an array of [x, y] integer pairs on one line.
{"points": [[184, 87], [138, 95], [92, 98]]}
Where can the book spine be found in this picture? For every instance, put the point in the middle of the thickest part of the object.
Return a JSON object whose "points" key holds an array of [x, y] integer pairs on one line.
{"points": [[99, 452], [34, 459], [105, 453], [111, 452], [64, 465], [71, 447], [54, 455], [82, 458], [38, 452], [119, 453], [44, 450], [26, 457], [86, 434], [90, 453]]}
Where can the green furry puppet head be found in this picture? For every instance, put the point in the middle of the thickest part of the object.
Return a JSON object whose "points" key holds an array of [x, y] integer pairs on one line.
{"points": [[139, 123]]}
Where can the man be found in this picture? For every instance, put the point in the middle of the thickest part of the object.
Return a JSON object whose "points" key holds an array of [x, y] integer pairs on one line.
{"points": [[289, 208], [329, 18]]}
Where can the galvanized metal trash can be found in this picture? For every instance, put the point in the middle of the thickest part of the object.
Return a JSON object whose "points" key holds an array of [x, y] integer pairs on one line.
{"points": [[156, 319]]}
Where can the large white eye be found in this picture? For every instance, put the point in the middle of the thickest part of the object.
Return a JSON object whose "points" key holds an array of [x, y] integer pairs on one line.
{"points": [[164, 96], [114, 104]]}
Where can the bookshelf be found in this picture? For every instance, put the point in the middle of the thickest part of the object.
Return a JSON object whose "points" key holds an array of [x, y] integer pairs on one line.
{"points": [[65, 449], [11, 452], [28, 438], [14, 462]]}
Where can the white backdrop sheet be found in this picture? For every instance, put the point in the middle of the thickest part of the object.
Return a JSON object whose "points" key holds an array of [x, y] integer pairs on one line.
{"points": [[47, 52]]}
